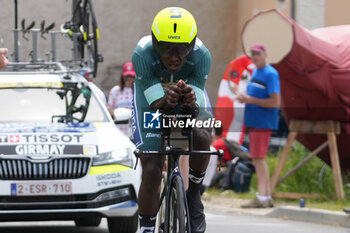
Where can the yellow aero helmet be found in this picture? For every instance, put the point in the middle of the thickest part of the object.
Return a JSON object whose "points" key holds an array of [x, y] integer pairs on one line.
{"points": [[174, 25]]}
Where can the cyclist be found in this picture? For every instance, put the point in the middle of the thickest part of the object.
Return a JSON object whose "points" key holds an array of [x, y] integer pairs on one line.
{"points": [[170, 63]]}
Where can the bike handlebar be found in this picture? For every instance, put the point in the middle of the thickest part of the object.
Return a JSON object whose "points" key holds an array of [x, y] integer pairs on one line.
{"points": [[178, 151]]}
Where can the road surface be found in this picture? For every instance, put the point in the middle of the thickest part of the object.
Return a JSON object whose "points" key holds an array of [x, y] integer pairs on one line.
{"points": [[217, 223]]}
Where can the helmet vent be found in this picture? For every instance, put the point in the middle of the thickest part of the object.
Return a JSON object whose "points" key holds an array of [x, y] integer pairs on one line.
{"points": [[175, 26]]}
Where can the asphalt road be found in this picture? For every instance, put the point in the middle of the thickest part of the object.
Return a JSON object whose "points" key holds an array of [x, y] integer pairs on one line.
{"points": [[217, 223]]}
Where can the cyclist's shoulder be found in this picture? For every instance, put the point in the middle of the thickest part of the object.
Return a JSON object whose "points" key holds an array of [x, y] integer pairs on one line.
{"points": [[200, 51], [144, 47]]}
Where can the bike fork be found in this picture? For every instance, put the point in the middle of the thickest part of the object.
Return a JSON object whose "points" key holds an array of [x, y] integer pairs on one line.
{"points": [[175, 173]]}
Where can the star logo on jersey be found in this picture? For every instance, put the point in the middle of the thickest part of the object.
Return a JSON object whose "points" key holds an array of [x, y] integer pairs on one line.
{"points": [[151, 120]]}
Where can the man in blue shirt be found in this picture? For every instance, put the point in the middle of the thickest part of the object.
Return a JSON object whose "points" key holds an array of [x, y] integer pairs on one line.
{"points": [[261, 117]]}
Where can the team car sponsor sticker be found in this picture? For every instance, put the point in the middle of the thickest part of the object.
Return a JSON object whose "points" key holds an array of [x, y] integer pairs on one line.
{"points": [[31, 84], [48, 143]]}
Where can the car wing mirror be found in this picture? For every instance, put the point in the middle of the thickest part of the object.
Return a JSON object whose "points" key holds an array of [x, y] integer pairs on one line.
{"points": [[122, 115]]}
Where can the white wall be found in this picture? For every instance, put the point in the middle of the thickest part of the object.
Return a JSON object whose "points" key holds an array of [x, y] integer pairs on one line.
{"points": [[310, 13]]}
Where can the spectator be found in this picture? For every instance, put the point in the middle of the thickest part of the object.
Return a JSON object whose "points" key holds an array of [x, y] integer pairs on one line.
{"points": [[261, 117], [3, 60], [122, 95], [228, 109]]}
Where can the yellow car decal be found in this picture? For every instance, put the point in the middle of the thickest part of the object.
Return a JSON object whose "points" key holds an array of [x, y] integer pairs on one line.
{"points": [[31, 84], [108, 169]]}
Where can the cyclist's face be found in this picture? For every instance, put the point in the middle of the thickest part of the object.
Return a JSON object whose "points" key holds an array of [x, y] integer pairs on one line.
{"points": [[173, 63]]}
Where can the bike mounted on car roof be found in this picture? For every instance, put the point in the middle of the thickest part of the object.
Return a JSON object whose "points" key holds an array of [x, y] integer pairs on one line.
{"points": [[83, 31]]}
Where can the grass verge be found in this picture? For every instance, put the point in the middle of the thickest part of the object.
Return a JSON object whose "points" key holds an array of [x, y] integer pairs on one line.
{"points": [[314, 177]]}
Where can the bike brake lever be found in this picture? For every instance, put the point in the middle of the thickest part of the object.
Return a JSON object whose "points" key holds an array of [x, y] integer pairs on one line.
{"points": [[221, 155], [137, 161], [137, 154]]}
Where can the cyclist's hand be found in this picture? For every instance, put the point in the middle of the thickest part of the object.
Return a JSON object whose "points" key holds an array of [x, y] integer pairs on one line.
{"points": [[189, 96], [3, 60], [172, 96]]}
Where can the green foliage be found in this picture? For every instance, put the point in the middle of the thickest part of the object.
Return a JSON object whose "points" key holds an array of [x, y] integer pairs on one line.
{"points": [[313, 177]]}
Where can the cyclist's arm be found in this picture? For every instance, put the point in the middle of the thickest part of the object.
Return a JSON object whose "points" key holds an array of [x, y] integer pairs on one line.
{"points": [[199, 77], [145, 79], [151, 86]]}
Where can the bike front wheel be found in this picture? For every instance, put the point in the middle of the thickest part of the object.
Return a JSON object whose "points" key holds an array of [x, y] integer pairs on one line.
{"points": [[91, 35], [161, 212], [176, 220]]}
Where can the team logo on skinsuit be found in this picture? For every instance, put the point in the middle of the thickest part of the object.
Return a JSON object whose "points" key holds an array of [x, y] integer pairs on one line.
{"points": [[151, 120]]}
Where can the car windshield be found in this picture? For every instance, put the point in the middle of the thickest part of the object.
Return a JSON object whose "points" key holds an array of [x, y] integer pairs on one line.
{"points": [[46, 105]]}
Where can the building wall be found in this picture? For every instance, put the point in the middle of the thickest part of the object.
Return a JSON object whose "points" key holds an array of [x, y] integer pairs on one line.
{"points": [[310, 13], [123, 22], [246, 10], [337, 12]]}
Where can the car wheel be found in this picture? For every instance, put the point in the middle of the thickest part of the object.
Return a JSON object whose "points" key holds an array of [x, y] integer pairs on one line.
{"points": [[123, 224], [88, 222]]}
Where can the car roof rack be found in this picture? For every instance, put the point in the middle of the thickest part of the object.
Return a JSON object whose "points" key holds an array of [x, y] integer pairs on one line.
{"points": [[80, 37]]}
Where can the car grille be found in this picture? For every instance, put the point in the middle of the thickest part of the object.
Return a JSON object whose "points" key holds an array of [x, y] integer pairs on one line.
{"points": [[65, 168]]}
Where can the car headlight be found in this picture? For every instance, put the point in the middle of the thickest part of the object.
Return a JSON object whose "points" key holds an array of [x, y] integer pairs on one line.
{"points": [[112, 195], [120, 156]]}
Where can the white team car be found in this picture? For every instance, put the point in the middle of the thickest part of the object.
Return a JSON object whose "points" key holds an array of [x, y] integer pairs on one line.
{"points": [[61, 156]]}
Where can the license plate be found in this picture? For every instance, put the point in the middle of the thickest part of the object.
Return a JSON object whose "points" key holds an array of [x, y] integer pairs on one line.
{"points": [[41, 188]]}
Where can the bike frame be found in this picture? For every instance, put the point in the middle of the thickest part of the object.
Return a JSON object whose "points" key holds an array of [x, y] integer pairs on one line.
{"points": [[174, 171]]}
